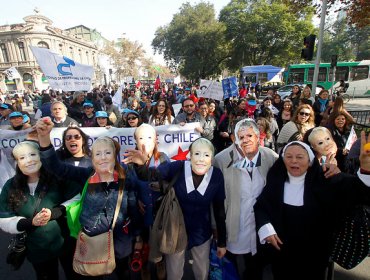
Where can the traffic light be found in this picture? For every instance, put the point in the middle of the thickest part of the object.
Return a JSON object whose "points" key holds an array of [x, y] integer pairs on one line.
{"points": [[334, 59], [309, 45]]}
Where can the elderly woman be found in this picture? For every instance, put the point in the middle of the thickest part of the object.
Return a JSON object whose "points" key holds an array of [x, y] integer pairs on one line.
{"points": [[104, 178], [31, 202], [303, 120], [198, 187], [299, 207]]}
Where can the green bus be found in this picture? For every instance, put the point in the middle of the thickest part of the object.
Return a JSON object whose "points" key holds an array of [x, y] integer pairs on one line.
{"points": [[356, 75]]}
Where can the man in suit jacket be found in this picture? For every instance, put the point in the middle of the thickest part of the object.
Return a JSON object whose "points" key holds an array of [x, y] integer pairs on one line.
{"points": [[245, 166]]}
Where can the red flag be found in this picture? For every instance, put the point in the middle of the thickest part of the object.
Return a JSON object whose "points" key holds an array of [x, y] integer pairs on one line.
{"points": [[157, 84], [138, 84]]}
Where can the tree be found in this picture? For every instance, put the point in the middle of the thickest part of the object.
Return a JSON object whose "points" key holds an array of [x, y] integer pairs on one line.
{"points": [[126, 57], [357, 11], [193, 43], [264, 32], [346, 41]]}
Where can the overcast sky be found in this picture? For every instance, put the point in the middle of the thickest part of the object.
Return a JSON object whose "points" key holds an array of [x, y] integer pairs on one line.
{"points": [[137, 19]]}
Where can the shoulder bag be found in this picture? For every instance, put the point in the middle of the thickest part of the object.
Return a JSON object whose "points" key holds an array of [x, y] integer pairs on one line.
{"points": [[94, 255]]}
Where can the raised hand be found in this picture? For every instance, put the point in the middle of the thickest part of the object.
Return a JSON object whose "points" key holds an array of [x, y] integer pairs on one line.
{"points": [[365, 152]]}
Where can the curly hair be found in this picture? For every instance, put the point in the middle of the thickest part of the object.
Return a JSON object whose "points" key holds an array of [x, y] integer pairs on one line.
{"points": [[167, 111]]}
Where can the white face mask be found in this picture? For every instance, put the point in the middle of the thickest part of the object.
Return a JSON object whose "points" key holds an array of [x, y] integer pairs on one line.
{"points": [[200, 158], [103, 158], [323, 144], [146, 138], [28, 159]]}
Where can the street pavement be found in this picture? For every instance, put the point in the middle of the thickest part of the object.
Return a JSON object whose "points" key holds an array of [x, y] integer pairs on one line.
{"points": [[361, 272]]}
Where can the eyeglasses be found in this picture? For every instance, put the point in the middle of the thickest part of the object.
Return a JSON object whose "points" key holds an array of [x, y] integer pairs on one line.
{"points": [[189, 106], [131, 118], [164, 106], [70, 137], [304, 114]]}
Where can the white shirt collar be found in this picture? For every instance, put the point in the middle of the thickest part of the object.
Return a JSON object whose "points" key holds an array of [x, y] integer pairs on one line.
{"points": [[61, 121], [189, 179], [297, 180], [245, 162]]}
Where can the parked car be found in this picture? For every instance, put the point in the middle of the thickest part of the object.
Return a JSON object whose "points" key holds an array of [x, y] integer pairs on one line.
{"points": [[286, 90], [270, 85]]}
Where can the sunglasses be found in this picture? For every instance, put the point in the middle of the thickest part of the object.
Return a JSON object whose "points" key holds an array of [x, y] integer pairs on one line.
{"points": [[189, 106], [304, 114], [70, 137], [131, 118]]}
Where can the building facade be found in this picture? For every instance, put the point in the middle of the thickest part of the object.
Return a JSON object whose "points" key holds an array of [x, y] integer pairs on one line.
{"points": [[38, 30]]}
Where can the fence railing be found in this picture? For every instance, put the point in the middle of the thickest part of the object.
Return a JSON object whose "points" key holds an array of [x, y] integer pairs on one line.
{"points": [[362, 120]]}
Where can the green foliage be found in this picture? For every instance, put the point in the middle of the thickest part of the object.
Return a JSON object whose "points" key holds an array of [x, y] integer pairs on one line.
{"points": [[266, 32], [348, 42], [193, 43]]}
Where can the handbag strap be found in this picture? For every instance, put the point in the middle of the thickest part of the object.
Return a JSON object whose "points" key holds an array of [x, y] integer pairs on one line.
{"points": [[119, 202]]}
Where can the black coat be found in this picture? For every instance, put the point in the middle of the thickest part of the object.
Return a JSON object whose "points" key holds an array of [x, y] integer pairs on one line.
{"points": [[325, 203]]}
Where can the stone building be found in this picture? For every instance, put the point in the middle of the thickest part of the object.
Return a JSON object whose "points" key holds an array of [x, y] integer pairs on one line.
{"points": [[38, 30]]}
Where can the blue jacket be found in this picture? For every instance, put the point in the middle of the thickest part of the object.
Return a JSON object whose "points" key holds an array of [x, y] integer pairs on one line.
{"points": [[196, 208], [100, 203]]}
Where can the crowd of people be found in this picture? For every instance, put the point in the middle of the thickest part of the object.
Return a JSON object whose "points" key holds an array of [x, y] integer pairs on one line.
{"points": [[270, 180]]}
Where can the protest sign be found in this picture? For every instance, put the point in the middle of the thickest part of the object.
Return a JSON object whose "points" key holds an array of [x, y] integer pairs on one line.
{"points": [[172, 139], [211, 89], [230, 87]]}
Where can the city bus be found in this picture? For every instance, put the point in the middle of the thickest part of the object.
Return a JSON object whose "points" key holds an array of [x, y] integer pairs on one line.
{"points": [[356, 75]]}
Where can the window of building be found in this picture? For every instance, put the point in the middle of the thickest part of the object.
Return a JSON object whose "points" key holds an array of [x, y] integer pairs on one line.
{"points": [[251, 78], [80, 55], [22, 51], [4, 52], [71, 56], [262, 77], [93, 57], [43, 44], [61, 48], [87, 57]]}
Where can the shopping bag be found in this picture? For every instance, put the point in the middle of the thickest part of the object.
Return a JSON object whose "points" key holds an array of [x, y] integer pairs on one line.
{"points": [[221, 269], [73, 212]]}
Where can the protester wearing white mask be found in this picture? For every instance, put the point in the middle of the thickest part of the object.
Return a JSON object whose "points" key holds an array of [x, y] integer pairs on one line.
{"points": [[245, 165]]}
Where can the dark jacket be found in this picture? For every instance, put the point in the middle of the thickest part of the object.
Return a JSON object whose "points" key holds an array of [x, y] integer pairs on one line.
{"points": [[100, 202], [43, 243], [325, 203]]}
